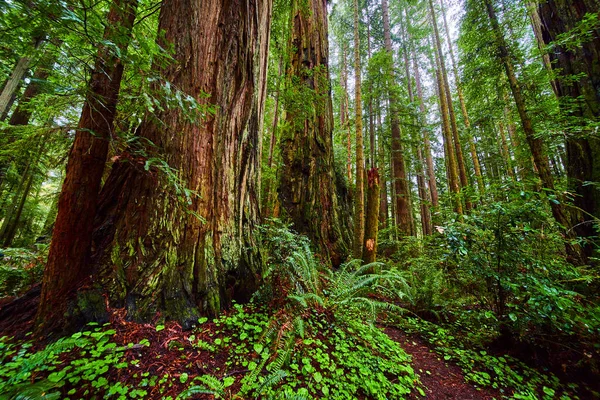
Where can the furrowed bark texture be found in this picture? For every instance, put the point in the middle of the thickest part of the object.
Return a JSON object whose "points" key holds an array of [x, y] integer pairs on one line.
{"points": [[307, 184], [580, 100], [155, 249], [68, 258], [372, 220]]}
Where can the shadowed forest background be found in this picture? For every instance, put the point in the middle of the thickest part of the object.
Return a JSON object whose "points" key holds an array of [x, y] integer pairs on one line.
{"points": [[294, 199]]}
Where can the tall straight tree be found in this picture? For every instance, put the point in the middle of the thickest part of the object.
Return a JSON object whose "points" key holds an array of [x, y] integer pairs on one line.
{"points": [[463, 105], [307, 188], [540, 158], [451, 167], [359, 196], [8, 93], [69, 252], [175, 227], [426, 141], [580, 102], [456, 145], [401, 197]]}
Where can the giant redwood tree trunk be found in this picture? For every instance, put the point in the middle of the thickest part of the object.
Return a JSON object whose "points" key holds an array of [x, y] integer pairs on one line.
{"points": [[68, 258], [307, 188], [580, 101], [156, 248]]}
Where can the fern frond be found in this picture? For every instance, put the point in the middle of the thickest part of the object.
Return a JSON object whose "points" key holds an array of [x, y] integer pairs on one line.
{"points": [[271, 381], [41, 390], [194, 390]]}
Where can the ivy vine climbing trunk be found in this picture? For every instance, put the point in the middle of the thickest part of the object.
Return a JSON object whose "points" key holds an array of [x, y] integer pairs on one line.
{"points": [[307, 184], [68, 258]]}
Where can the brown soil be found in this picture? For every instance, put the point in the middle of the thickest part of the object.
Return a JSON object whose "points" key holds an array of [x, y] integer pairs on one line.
{"points": [[441, 379]]}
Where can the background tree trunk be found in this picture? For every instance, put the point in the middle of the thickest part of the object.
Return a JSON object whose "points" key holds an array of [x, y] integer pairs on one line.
{"points": [[307, 182], [68, 257], [558, 17], [359, 196], [540, 158], [455, 143], [401, 196]]}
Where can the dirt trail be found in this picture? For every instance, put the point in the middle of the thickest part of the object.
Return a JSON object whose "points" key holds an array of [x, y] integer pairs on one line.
{"points": [[442, 380]]}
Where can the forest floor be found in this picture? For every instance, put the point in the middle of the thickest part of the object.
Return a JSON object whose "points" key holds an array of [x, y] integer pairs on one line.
{"points": [[441, 379], [161, 360]]}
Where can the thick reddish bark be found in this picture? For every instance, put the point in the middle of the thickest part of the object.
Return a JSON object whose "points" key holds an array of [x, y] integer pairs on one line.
{"points": [[307, 185], [372, 220], [580, 101], [157, 249], [68, 258]]}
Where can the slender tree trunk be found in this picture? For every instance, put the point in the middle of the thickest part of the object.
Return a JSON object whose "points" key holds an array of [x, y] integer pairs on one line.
{"points": [[452, 169], [68, 257], [307, 187], [11, 210], [267, 201], [11, 101], [421, 187], [458, 155], [50, 218], [427, 143], [505, 152], [540, 158], [359, 197], [372, 151], [580, 102], [383, 208], [400, 182], [463, 107], [345, 117], [11, 230], [8, 94], [22, 113]]}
